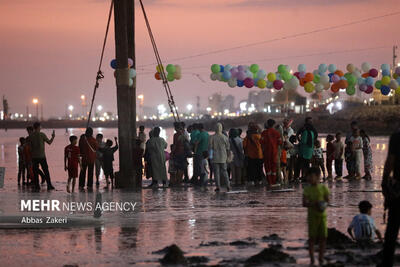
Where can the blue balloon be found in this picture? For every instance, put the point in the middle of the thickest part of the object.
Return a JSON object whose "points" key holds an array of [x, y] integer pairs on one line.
{"points": [[385, 72], [227, 75], [322, 68], [278, 76], [113, 64], [221, 68], [332, 68], [361, 80], [343, 78], [330, 76], [302, 68], [385, 67], [369, 81], [240, 83], [256, 81], [385, 90]]}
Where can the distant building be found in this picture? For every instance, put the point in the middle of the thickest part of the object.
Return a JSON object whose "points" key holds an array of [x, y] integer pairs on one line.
{"points": [[259, 99]]}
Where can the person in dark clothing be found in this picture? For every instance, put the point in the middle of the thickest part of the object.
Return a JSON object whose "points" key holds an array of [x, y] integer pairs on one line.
{"points": [[308, 125], [391, 191], [108, 158], [88, 147]]}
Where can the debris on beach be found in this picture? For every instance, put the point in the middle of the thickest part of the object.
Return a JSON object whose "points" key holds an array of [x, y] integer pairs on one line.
{"points": [[272, 237], [197, 259], [269, 255], [212, 244], [174, 255], [240, 243]]}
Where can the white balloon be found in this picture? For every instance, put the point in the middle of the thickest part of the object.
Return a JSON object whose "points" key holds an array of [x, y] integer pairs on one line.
{"points": [[365, 66], [357, 73], [294, 83], [232, 83], [393, 84], [324, 79], [214, 76], [319, 87], [228, 67]]}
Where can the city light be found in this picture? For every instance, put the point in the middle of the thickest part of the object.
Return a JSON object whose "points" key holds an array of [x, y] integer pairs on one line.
{"points": [[99, 107], [243, 106], [208, 109], [140, 97], [35, 101], [189, 107], [83, 97], [71, 108]]}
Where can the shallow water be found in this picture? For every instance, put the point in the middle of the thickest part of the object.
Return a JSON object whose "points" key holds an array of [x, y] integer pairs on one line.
{"points": [[187, 217]]}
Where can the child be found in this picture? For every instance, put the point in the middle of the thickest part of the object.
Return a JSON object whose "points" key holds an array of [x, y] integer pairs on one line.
{"points": [[368, 166], [204, 169], [108, 158], [286, 145], [172, 169], [318, 157], [71, 161], [138, 153], [292, 168], [339, 151], [330, 155], [348, 156], [363, 225], [21, 161], [316, 198], [357, 150]]}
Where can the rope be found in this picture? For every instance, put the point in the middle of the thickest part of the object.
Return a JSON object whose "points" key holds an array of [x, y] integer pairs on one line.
{"points": [[170, 97], [100, 75]]}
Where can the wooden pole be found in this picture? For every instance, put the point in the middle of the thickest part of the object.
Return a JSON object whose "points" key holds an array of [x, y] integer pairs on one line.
{"points": [[123, 95]]}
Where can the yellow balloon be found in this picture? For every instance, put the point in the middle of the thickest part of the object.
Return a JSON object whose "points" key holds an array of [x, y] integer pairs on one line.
{"points": [[159, 68], [261, 84], [385, 80], [271, 76], [309, 87], [397, 91]]}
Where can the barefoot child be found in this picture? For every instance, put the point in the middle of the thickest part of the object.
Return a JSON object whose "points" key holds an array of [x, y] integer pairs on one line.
{"points": [[71, 161], [318, 157], [108, 158], [316, 198]]}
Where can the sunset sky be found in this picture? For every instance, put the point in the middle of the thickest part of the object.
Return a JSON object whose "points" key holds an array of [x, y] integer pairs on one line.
{"points": [[50, 48]]}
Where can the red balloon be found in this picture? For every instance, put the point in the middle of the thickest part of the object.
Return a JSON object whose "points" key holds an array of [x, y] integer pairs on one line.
{"points": [[365, 75], [335, 88], [157, 76], [278, 84], [373, 73], [369, 90]]}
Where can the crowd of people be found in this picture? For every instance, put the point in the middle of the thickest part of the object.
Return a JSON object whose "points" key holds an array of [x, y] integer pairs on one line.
{"points": [[274, 156]]}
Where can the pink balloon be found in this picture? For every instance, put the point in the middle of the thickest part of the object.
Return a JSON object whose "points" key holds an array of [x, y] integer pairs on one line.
{"points": [[335, 78], [397, 71], [248, 82], [373, 72], [241, 75], [130, 61], [363, 87], [241, 68], [369, 90], [302, 74], [278, 84], [234, 72]]}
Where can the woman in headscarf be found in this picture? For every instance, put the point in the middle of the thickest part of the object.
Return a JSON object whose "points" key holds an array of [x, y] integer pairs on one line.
{"points": [[219, 143], [155, 148], [236, 145], [253, 152]]}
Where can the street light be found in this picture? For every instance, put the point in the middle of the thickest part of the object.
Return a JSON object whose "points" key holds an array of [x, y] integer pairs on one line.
{"points": [[35, 101], [189, 107], [99, 107], [71, 108], [83, 97]]}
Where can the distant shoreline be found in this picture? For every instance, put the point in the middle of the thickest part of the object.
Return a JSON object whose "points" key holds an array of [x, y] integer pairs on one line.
{"points": [[376, 120]]}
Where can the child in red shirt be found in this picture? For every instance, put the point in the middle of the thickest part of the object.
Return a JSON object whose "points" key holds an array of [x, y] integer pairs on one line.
{"points": [[72, 161]]}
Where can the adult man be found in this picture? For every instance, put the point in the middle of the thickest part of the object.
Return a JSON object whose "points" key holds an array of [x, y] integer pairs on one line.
{"points": [[350, 161], [201, 145], [219, 143], [307, 136], [178, 155], [270, 140], [37, 141], [88, 147], [391, 191]]}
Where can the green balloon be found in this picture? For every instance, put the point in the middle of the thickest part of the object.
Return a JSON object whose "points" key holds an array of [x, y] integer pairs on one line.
{"points": [[170, 77], [171, 68], [286, 76], [215, 68], [317, 78], [282, 68], [378, 84], [351, 79], [351, 90], [254, 68]]}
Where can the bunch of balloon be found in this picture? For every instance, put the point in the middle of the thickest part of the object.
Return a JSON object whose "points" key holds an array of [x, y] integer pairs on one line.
{"points": [[132, 71], [282, 79], [239, 76], [366, 80], [174, 72], [308, 80], [386, 83]]}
